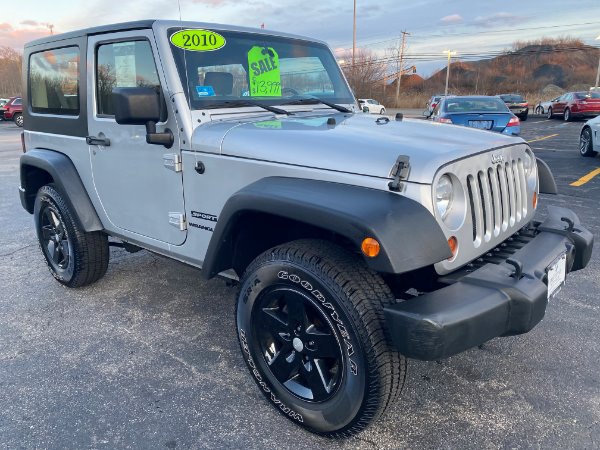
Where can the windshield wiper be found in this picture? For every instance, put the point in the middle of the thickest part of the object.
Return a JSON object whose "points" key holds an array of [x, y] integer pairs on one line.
{"points": [[311, 99], [235, 103]]}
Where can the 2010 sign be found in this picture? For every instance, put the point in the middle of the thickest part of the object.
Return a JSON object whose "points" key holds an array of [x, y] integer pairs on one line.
{"points": [[198, 40]]}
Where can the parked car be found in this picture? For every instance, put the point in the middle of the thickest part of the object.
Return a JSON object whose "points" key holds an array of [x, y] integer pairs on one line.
{"points": [[433, 102], [3, 101], [371, 106], [13, 110], [589, 139], [482, 112], [325, 217], [542, 107], [517, 105], [575, 104]]}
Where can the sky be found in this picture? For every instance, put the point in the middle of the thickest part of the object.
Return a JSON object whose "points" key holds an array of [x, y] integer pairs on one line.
{"points": [[467, 27]]}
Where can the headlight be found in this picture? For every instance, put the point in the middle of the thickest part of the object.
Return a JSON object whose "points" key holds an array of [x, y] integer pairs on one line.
{"points": [[444, 194], [530, 167], [450, 201]]}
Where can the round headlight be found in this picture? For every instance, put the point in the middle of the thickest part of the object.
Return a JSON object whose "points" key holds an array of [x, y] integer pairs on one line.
{"points": [[444, 194]]}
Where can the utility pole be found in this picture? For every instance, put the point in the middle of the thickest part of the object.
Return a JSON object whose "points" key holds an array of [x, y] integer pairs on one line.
{"points": [[597, 73], [450, 55], [354, 38], [400, 66]]}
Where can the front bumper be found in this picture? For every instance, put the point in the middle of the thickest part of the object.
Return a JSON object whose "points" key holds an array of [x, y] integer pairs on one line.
{"points": [[492, 301]]}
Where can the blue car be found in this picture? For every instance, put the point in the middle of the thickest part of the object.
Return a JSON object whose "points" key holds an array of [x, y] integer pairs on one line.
{"points": [[482, 112]]}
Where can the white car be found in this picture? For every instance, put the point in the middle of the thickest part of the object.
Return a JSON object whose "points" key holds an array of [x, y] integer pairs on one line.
{"points": [[371, 106], [542, 107], [589, 139]]}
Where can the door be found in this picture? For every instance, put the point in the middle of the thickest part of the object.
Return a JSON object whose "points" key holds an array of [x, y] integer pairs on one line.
{"points": [[559, 106], [137, 183]]}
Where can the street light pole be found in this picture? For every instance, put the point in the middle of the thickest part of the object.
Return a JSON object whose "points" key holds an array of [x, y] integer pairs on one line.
{"points": [[597, 73], [450, 55], [354, 37]]}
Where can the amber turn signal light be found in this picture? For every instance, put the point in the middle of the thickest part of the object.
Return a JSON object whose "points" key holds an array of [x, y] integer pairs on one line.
{"points": [[534, 200], [453, 244], [370, 247]]}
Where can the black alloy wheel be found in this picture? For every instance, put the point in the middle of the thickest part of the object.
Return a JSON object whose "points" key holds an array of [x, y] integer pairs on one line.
{"points": [[312, 332], [75, 257], [586, 144], [55, 241], [298, 343]]}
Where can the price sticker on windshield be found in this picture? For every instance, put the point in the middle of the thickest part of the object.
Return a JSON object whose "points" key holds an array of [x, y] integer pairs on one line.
{"points": [[198, 40], [264, 72]]}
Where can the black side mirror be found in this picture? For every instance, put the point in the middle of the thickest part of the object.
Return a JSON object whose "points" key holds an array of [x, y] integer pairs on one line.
{"points": [[141, 106]]}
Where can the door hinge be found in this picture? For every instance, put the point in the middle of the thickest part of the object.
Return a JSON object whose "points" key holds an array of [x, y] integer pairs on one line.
{"points": [[399, 172], [178, 220], [172, 161]]}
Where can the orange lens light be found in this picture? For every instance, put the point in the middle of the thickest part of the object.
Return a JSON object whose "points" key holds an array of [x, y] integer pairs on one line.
{"points": [[453, 244], [535, 199], [370, 247]]}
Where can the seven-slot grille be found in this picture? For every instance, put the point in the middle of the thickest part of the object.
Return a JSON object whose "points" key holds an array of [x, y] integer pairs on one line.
{"points": [[498, 199]]}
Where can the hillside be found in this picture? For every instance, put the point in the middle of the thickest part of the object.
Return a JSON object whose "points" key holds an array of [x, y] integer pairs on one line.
{"points": [[566, 63]]}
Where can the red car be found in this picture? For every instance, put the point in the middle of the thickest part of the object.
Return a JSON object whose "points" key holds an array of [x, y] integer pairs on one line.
{"points": [[13, 110], [575, 104]]}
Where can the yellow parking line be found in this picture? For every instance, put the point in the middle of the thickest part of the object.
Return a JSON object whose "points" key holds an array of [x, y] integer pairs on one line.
{"points": [[584, 179], [543, 138]]}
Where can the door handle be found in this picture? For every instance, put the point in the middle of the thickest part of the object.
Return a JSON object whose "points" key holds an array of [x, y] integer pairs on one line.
{"points": [[93, 140]]}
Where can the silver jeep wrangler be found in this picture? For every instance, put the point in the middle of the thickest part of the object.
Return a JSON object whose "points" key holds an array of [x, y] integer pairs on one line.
{"points": [[358, 242]]}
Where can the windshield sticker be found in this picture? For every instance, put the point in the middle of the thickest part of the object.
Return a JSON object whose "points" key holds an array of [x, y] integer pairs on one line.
{"points": [[198, 40], [265, 75], [269, 124], [205, 91]]}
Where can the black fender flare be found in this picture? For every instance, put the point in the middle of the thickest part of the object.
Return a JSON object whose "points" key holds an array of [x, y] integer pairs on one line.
{"points": [[546, 179], [67, 180], [409, 235]]}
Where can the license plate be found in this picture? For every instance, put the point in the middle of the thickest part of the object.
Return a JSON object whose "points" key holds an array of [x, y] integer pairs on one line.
{"points": [[480, 124], [557, 272]]}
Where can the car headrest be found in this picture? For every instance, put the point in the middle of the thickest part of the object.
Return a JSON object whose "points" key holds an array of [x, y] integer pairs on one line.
{"points": [[221, 82]]}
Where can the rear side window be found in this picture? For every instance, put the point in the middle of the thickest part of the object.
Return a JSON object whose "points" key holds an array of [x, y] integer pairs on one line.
{"points": [[122, 64], [54, 81]]}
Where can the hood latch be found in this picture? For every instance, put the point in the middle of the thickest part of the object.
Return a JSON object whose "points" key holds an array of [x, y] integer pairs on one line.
{"points": [[399, 172]]}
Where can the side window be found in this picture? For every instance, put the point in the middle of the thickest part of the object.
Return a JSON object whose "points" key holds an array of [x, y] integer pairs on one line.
{"points": [[54, 81], [122, 64]]}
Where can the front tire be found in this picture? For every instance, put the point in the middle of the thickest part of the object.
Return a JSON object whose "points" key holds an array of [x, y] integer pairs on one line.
{"points": [[585, 143], [567, 115], [549, 114], [312, 333], [382, 111], [74, 257]]}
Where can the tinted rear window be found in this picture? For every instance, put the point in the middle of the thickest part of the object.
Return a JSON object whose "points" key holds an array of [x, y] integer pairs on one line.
{"points": [[54, 81], [512, 98], [458, 105]]}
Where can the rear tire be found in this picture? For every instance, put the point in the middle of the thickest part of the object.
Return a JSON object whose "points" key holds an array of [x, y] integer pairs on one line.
{"points": [[549, 114], [382, 111], [18, 118], [524, 117], [312, 332], [567, 115], [585, 143], [74, 257]]}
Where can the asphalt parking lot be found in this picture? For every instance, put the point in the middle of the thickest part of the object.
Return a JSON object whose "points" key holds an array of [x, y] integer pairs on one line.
{"points": [[148, 358]]}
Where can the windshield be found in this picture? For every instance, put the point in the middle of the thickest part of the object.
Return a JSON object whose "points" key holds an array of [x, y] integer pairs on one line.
{"points": [[460, 105], [223, 66]]}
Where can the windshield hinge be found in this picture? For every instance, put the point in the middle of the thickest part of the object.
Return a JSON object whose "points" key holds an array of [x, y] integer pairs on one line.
{"points": [[178, 220], [399, 172], [172, 161]]}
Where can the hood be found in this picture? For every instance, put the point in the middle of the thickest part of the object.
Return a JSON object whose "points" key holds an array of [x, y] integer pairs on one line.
{"points": [[358, 143]]}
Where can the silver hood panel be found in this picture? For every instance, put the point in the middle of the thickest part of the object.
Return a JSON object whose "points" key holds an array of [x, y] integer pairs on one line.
{"points": [[356, 144]]}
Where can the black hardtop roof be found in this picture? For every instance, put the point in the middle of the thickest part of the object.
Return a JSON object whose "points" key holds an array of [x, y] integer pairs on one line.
{"points": [[124, 26]]}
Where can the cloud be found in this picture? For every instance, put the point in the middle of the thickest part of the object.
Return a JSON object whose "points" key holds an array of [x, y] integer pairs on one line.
{"points": [[17, 37], [452, 19], [499, 18]]}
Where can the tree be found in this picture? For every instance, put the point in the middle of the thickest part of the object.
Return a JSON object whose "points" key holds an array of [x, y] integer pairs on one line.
{"points": [[10, 72], [366, 75]]}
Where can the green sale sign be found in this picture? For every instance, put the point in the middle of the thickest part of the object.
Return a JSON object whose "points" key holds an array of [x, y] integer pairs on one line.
{"points": [[265, 75]]}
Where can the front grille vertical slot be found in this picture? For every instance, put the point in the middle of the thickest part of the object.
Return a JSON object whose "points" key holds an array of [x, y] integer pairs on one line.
{"points": [[523, 184], [517, 189], [486, 197], [511, 194], [497, 204], [501, 171], [476, 210]]}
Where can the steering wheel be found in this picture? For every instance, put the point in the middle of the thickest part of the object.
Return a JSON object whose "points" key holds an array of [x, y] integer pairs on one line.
{"points": [[289, 92]]}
